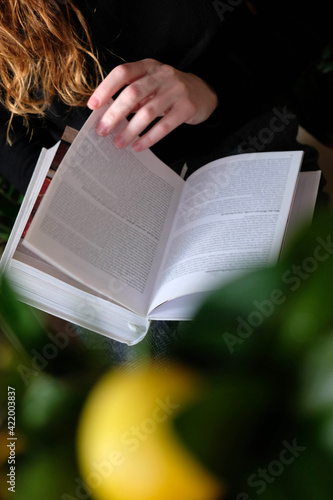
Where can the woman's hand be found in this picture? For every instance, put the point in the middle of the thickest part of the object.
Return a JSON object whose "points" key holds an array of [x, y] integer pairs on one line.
{"points": [[152, 90]]}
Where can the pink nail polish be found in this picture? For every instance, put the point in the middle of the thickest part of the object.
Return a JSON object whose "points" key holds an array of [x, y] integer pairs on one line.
{"points": [[101, 129], [119, 142], [137, 146]]}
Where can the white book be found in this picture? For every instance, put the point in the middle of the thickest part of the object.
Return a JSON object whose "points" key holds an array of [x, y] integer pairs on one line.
{"points": [[119, 239]]}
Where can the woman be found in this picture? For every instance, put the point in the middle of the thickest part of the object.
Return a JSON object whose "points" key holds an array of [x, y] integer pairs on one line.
{"points": [[212, 64]]}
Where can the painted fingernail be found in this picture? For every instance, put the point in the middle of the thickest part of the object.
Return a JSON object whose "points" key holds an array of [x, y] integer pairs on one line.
{"points": [[119, 142], [102, 129], [137, 146]]}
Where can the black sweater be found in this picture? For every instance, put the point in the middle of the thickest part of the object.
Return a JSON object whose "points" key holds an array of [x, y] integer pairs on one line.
{"points": [[249, 59]]}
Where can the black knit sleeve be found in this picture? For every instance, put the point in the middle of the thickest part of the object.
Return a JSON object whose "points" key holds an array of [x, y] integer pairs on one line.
{"points": [[258, 53], [17, 160]]}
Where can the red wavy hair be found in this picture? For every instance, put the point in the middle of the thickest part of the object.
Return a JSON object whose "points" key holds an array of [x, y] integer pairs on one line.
{"points": [[45, 50]]}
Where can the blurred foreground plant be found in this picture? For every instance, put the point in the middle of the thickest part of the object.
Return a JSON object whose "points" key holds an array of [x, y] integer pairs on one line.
{"points": [[49, 372], [259, 416], [265, 342], [236, 404]]}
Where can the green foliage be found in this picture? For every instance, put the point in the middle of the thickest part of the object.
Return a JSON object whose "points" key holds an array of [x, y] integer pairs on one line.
{"points": [[19, 322], [51, 372], [264, 343]]}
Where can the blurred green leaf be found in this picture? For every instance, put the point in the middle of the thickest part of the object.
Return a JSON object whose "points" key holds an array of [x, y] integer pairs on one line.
{"points": [[47, 474], [21, 323], [271, 330], [236, 421], [46, 403]]}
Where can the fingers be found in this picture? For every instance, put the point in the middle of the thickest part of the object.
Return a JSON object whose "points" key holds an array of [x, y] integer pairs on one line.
{"points": [[142, 85], [122, 75], [127, 103], [145, 115], [149, 90]]}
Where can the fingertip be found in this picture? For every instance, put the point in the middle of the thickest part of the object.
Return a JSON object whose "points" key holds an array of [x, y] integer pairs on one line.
{"points": [[93, 103], [138, 146]]}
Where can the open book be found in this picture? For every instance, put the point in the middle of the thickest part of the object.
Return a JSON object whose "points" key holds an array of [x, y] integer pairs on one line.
{"points": [[119, 238]]}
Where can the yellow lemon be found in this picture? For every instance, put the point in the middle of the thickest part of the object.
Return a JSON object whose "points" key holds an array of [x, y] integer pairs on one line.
{"points": [[127, 448]]}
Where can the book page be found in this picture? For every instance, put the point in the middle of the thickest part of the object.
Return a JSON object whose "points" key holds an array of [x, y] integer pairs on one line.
{"points": [[29, 201], [106, 217], [231, 218], [303, 206]]}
